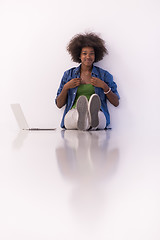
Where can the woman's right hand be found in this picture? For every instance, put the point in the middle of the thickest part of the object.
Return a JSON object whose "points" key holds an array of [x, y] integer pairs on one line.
{"points": [[75, 82], [62, 98]]}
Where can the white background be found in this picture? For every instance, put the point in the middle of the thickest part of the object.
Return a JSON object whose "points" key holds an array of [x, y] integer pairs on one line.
{"points": [[33, 57], [83, 185]]}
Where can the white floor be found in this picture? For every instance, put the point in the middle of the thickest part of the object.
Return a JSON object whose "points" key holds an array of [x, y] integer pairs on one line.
{"points": [[73, 185]]}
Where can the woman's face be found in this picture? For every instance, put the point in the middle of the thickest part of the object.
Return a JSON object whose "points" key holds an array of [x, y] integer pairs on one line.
{"points": [[87, 56]]}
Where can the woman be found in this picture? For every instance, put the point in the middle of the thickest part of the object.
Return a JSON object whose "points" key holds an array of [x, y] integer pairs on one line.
{"points": [[85, 89]]}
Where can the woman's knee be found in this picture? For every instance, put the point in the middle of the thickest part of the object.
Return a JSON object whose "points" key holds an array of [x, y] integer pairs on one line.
{"points": [[70, 120], [102, 120]]}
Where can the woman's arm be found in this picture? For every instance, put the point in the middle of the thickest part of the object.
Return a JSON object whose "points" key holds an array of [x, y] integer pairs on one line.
{"points": [[62, 97], [112, 97]]}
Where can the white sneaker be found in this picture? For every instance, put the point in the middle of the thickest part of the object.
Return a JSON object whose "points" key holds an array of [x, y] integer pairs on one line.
{"points": [[82, 108], [93, 108]]}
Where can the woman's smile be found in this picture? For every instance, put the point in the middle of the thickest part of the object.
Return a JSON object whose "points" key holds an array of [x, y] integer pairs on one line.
{"points": [[87, 55]]}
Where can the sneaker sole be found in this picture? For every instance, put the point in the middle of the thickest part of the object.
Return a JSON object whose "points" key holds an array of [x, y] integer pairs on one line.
{"points": [[94, 107], [82, 108]]}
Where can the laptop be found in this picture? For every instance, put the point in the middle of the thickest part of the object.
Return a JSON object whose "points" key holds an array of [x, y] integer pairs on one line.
{"points": [[21, 120]]}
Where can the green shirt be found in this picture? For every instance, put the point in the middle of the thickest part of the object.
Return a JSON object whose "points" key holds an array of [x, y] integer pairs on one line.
{"points": [[84, 89]]}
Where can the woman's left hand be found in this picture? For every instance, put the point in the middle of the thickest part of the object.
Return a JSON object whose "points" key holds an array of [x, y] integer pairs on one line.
{"points": [[112, 97], [97, 82]]}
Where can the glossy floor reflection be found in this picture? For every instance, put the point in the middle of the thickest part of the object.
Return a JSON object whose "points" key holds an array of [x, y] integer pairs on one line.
{"points": [[86, 155], [86, 160], [79, 185]]}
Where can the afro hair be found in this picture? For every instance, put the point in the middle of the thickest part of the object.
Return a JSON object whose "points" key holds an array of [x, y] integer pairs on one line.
{"points": [[86, 40]]}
